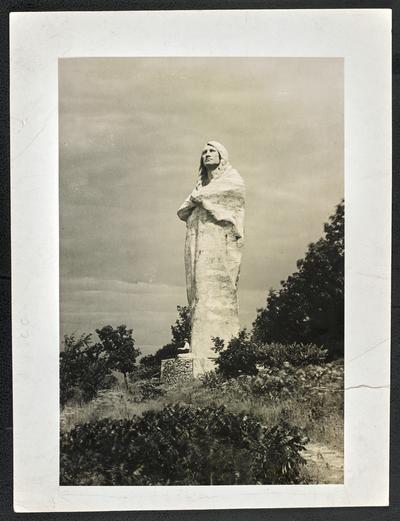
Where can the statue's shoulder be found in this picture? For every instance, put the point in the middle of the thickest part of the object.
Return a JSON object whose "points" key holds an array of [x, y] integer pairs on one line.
{"points": [[234, 176]]}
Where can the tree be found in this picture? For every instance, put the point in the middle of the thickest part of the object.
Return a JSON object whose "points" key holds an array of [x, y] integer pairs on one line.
{"points": [[86, 367], [117, 346], [83, 371], [181, 331], [309, 307]]}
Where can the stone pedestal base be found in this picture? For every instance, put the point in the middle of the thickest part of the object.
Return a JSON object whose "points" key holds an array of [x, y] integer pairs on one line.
{"points": [[178, 370]]}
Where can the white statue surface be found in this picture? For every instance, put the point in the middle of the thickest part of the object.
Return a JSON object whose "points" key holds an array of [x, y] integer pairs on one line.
{"points": [[214, 216]]}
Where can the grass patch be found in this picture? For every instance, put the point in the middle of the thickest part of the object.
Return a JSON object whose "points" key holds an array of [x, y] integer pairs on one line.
{"points": [[318, 413]]}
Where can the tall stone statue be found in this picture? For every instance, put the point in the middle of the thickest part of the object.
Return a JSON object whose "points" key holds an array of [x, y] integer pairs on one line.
{"points": [[214, 215]]}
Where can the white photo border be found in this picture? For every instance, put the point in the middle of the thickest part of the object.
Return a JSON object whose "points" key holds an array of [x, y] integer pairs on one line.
{"points": [[362, 37]]}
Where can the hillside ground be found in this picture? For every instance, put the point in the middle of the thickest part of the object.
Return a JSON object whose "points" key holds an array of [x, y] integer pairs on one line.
{"points": [[316, 409]]}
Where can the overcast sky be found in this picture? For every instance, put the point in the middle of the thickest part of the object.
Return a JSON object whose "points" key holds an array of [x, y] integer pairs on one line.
{"points": [[131, 134]]}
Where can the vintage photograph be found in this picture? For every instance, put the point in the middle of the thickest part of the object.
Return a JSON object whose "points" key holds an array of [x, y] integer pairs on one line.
{"points": [[201, 233]]}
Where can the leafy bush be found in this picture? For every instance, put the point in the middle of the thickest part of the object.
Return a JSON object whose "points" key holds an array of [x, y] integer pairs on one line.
{"points": [[244, 357], [312, 397], [277, 355], [240, 357], [212, 380], [83, 371], [86, 367], [304, 382], [182, 445], [280, 383]]}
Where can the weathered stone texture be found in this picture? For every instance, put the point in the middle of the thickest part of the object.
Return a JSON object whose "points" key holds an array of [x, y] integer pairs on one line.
{"points": [[179, 370], [176, 370]]}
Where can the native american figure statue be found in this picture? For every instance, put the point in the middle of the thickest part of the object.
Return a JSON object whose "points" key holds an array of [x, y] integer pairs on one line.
{"points": [[214, 215]]}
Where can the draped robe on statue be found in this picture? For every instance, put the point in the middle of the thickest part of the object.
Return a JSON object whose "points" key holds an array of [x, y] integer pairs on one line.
{"points": [[214, 215]]}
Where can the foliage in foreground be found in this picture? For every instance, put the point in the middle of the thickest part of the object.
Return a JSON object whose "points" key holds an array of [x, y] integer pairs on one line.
{"points": [[182, 445]]}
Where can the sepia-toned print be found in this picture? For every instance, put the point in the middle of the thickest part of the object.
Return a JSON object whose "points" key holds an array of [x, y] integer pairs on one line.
{"points": [[201, 271]]}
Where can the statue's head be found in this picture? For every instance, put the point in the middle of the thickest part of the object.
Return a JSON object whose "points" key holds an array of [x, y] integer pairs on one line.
{"points": [[210, 157], [214, 157]]}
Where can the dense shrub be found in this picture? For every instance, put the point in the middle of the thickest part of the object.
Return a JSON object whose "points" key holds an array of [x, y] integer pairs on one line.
{"points": [[305, 384], [83, 371], [240, 357], [182, 445], [212, 380], [87, 367], [301, 382], [277, 355], [244, 357]]}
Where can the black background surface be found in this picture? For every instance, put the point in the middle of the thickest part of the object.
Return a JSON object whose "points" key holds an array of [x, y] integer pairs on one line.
{"points": [[391, 513]]}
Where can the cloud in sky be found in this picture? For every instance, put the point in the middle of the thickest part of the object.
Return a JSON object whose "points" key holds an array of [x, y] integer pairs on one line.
{"points": [[131, 133]]}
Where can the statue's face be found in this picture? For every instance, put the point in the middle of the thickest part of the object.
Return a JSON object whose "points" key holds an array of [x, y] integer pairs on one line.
{"points": [[210, 157]]}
